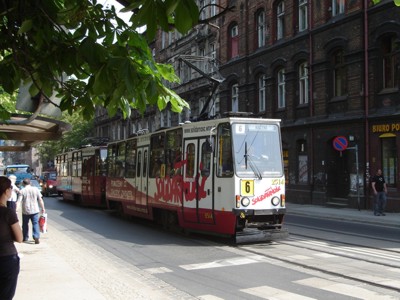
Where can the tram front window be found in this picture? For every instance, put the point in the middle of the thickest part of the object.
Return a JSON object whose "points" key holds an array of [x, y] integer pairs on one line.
{"points": [[257, 150]]}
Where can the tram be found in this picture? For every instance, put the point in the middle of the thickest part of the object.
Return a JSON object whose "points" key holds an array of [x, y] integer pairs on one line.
{"points": [[222, 176], [81, 175]]}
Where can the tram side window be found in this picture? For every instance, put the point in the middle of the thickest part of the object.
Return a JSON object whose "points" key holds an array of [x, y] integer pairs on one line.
{"points": [[58, 165], [145, 160], [174, 151], [111, 160], [139, 162], [79, 164], [74, 164], [130, 171], [64, 166], [120, 160], [69, 168], [157, 156], [224, 151], [103, 162], [190, 154], [205, 159], [86, 167], [100, 163]]}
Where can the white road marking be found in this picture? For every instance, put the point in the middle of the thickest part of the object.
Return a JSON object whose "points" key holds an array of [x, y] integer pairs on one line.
{"points": [[161, 270], [267, 292], [225, 263], [343, 289]]}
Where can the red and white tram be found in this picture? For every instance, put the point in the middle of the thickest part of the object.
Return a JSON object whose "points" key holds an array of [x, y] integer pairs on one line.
{"points": [[222, 176], [81, 175]]}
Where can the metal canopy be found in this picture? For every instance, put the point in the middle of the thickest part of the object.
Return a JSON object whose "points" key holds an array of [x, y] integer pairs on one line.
{"points": [[30, 131]]}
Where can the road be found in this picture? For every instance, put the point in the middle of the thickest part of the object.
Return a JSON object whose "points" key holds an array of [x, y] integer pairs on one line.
{"points": [[322, 259]]}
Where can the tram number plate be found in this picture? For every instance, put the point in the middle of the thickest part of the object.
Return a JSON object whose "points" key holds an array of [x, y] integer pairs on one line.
{"points": [[247, 187]]}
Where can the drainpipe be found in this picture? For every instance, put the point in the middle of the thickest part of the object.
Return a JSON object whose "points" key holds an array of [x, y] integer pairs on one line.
{"points": [[366, 102], [311, 88]]}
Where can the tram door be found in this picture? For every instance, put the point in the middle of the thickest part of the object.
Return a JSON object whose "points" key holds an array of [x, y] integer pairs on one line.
{"points": [[141, 187], [198, 201]]}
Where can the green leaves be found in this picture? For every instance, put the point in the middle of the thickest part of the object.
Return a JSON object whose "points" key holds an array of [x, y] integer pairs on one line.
{"points": [[181, 15], [107, 62], [396, 2], [186, 15]]}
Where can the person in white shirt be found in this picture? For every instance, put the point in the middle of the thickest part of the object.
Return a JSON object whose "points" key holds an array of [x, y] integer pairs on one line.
{"points": [[30, 199]]}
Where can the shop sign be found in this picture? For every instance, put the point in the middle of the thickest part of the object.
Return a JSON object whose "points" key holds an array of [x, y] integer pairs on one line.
{"points": [[381, 128]]}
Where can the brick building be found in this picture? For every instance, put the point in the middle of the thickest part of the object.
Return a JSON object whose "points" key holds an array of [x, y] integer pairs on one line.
{"points": [[326, 68]]}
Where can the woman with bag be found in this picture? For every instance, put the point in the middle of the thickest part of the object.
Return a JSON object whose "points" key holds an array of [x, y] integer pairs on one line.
{"points": [[10, 232]]}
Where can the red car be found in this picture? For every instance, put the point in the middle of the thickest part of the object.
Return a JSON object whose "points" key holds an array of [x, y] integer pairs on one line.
{"points": [[49, 183]]}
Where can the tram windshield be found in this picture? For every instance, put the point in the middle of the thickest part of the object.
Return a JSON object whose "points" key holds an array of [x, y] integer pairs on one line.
{"points": [[257, 150]]}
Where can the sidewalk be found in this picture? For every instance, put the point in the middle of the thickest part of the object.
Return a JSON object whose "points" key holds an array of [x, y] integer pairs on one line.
{"points": [[61, 268], [348, 214]]}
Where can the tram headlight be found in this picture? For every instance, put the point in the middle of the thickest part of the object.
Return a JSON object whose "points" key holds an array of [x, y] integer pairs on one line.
{"points": [[245, 201], [275, 201]]}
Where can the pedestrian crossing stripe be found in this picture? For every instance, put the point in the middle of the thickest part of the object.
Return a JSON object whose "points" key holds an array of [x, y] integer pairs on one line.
{"points": [[236, 261], [341, 288], [267, 292], [271, 293]]}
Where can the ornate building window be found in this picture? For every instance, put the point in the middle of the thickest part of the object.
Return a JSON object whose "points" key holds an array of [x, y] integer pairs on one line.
{"points": [[303, 83], [389, 63], [261, 29], [303, 20], [337, 7], [261, 93], [281, 88], [280, 20], [339, 74], [233, 50], [235, 97]]}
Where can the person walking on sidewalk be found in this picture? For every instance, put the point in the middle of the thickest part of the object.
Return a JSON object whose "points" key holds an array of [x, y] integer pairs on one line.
{"points": [[12, 202], [10, 232], [380, 190], [30, 199]]}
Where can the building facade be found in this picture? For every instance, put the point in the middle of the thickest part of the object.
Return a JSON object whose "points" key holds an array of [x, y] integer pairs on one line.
{"points": [[329, 69]]}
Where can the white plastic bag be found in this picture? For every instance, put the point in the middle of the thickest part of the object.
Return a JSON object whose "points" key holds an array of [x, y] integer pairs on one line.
{"points": [[43, 223]]}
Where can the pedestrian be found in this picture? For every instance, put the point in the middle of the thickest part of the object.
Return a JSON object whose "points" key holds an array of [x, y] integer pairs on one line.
{"points": [[10, 232], [12, 202], [380, 191], [30, 199]]}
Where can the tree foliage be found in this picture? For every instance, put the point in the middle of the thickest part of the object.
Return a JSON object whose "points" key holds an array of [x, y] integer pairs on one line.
{"points": [[396, 2], [88, 54], [81, 129], [7, 104]]}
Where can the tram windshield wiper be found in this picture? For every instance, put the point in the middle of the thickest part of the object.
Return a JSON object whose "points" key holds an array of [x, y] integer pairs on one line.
{"points": [[249, 161]]}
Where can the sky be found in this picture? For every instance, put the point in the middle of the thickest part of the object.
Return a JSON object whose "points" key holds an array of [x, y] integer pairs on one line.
{"points": [[118, 7]]}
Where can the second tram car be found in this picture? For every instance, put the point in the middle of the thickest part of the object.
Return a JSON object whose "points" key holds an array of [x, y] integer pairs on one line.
{"points": [[81, 175], [222, 176]]}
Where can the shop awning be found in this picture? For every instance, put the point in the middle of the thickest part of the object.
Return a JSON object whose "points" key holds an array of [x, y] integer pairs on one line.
{"points": [[27, 131]]}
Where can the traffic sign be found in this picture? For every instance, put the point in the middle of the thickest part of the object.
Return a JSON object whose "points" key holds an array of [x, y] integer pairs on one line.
{"points": [[340, 143]]}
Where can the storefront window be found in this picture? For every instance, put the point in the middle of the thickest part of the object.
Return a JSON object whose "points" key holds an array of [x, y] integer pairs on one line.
{"points": [[389, 160]]}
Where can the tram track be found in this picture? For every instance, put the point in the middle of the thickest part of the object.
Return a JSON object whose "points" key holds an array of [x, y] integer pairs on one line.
{"points": [[373, 266], [350, 250]]}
